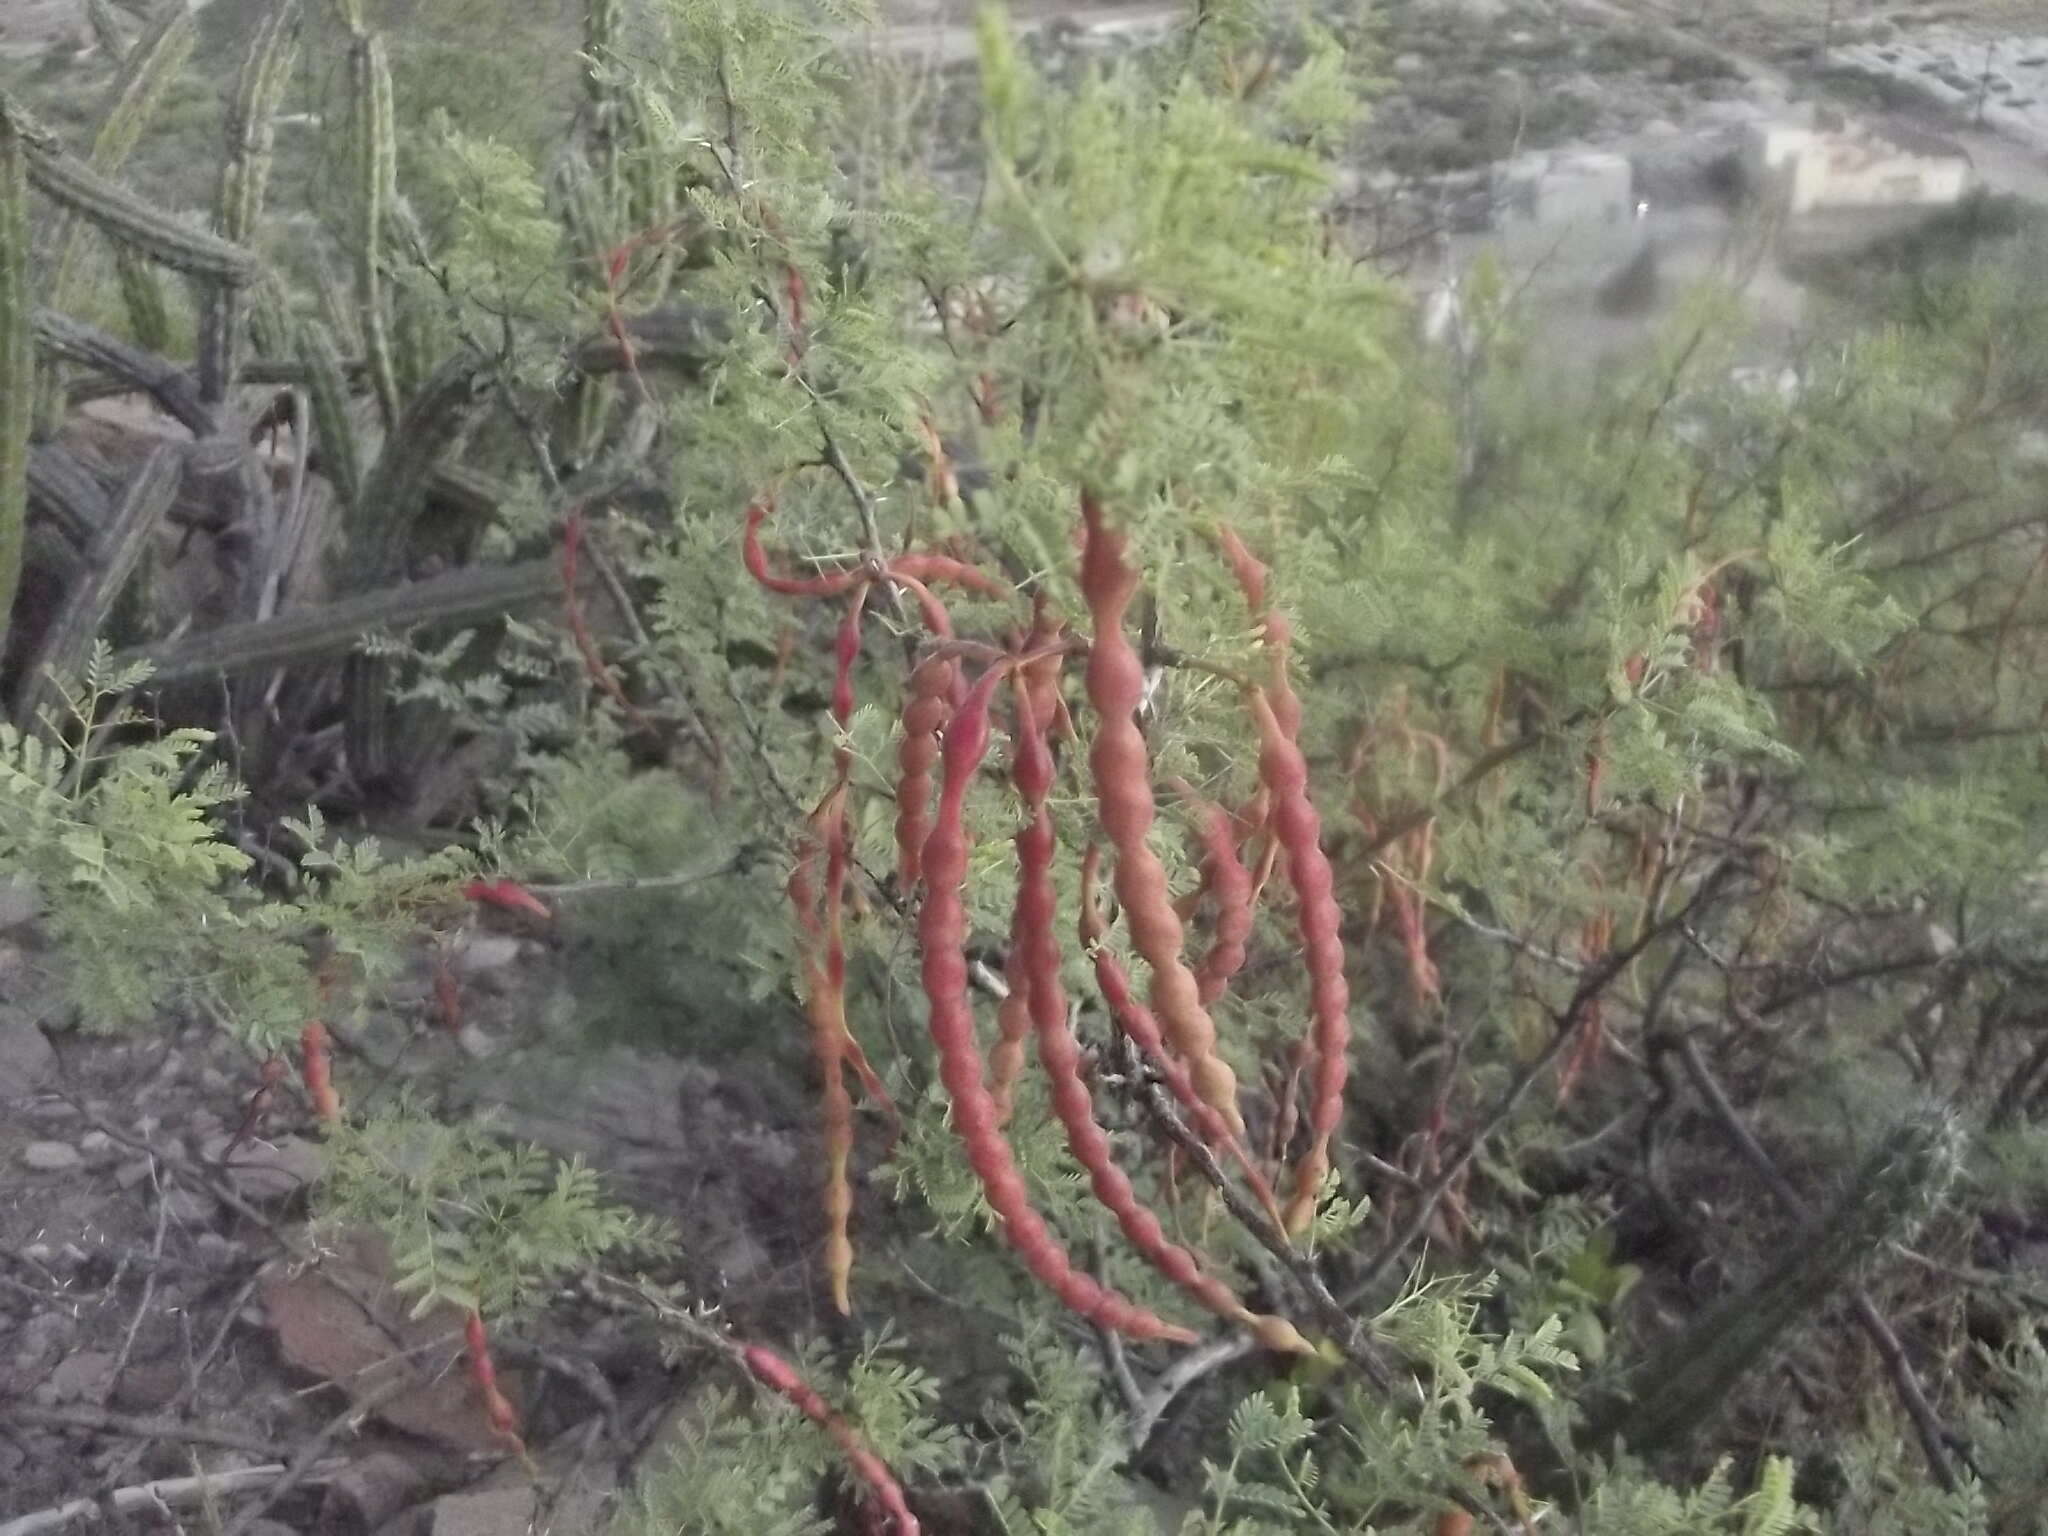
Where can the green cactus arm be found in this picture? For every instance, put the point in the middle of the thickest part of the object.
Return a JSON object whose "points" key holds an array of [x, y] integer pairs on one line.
{"points": [[334, 431], [17, 359], [457, 600], [64, 491], [115, 554], [142, 299], [1679, 1387], [373, 148], [72, 184], [145, 75], [166, 383], [132, 101], [106, 30], [244, 176], [395, 490]]}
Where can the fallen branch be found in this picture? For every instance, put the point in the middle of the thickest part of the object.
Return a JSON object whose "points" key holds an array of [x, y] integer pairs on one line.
{"points": [[175, 1430], [166, 1493]]}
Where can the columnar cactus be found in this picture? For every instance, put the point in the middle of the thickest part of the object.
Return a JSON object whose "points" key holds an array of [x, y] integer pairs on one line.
{"points": [[373, 150], [17, 357], [244, 175]]}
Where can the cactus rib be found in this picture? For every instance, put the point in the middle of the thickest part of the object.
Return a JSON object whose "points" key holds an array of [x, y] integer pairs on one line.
{"points": [[17, 358], [373, 148], [244, 176], [73, 184]]}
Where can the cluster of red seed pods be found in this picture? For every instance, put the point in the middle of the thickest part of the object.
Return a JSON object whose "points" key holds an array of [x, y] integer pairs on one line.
{"points": [[946, 730]]}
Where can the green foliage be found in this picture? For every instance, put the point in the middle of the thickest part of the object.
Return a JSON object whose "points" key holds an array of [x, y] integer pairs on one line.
{"points": [[119, 826], [473, 1220], [743, 1462]]}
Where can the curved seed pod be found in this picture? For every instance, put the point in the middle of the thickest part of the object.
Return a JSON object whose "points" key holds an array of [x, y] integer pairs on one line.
{"points": [[17, 360], [1298, 832], [1142, 1027], [780, 1377], [484, 1372], [945, 571], [1045, 659], [942, 940], [74, 185], [1229, 885], [373, 147], [1013, 1023], [244, 176], [1123, 789], [1278, 630], [825, 1006], [1060, 1052], [789, 586], [926, 705]]}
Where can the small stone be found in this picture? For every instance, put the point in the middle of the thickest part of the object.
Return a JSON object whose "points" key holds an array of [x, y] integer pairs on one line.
{"points": [[20, 901], [217, 1251], [188, 1208], [51, 1156], [264, 1171], [27, 1058], [476, 1044], [128, 1175], [145, 1386], [38, 1252], [1406, 64], [95, 1141], [83, 1376], [479, 952]]}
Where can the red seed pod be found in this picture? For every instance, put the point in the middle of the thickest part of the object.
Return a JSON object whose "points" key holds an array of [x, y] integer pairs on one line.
{"points": [[508, 896], [945, 571], [824, 967], [1122, 773], [497, 1407], [318, 1068], [924, 712], [1060, 1052], [942, 940], [1013, 1024], [1298, 831], [789, 586], [1139, 1024], [1229, 885], [780, 1377]]}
